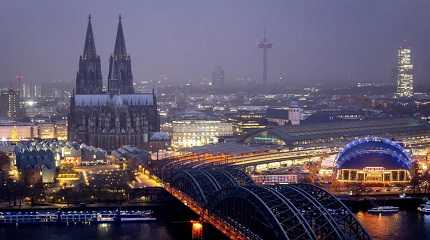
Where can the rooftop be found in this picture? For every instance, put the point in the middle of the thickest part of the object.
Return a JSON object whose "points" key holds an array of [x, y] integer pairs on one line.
{"points": [[382, 127], [230, 148], [91, 100]]}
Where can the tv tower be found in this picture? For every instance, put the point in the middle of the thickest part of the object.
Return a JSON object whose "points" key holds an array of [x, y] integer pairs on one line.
{"points": [[265, 45]]}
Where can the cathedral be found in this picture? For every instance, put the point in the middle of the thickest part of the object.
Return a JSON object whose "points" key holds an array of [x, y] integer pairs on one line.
{"points": [[114, 118]]}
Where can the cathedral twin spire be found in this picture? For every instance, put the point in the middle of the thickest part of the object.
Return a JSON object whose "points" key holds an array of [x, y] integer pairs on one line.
{"points": [[120, 79], [120, 49], [90, 46], [89, 78]]}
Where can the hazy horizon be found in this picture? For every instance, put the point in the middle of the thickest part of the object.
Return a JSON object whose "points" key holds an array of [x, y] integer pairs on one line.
{"points": [[315, 42]]}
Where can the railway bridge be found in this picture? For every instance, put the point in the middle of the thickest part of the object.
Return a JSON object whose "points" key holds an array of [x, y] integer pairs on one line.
{"points": [[227, 198]]}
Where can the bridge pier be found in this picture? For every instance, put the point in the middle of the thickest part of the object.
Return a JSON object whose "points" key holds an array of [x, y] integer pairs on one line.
{"points": [[197, 230]]}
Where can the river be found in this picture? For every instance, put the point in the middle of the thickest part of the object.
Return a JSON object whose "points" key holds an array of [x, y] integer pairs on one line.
{"points": [[404, 225], [104, 231]]}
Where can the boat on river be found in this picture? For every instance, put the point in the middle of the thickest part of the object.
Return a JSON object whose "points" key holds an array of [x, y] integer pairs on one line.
{"points": [[384, 210], [424, 208]]}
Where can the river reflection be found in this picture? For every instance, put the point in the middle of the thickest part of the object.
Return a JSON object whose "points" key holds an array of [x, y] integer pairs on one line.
{"points": [[104, 231], [403, 225]]}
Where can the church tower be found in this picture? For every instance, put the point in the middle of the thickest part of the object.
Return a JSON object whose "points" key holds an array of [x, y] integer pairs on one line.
{"points": [[120, 79], [89, 76]]}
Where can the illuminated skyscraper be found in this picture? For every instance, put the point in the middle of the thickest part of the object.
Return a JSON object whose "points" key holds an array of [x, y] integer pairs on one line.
{"points": [[9, 100], [405, 76]]}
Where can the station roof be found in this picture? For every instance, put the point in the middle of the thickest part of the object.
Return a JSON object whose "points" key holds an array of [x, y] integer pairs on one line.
{"points": [[379, 127], [230, 148]]}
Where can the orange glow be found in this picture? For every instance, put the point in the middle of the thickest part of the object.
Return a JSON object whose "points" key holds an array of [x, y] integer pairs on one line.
{"points": [[197, 230]]}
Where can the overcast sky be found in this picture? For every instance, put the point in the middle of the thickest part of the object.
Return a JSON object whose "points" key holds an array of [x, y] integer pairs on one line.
{"points": [[314, 41]]}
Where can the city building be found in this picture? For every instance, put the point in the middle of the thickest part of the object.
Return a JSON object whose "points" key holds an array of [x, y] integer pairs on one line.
{"points": [[132, 156], [9, 103], [35, 163], [91, 156], [18, 131], [70, 154], [405, 75], [159, 141], [336, 134], [52, 130], [373, 160], [272, 179], [118, 117], [335, 115], [283, 147], [218, 77], [245, 120], [284, 116], [198, 132]]}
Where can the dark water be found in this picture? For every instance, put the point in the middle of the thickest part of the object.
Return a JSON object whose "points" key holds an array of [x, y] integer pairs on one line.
{"points": [[404, 225], [128, 231]]}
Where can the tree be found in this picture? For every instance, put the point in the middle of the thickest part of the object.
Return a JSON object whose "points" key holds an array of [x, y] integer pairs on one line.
{"points": [[4, 162]]}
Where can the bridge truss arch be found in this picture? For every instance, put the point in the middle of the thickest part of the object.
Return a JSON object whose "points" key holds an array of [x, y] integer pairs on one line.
{"points": [[296, 211], [261, 212], [201, 184], [343, 217]]}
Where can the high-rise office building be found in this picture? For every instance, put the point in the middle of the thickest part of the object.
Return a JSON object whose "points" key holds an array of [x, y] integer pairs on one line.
{"points": [[218, 77], [9, 101], [405, 76]]}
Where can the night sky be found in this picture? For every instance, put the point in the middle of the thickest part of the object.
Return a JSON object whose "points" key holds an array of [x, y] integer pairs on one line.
{"points": [[315, 41]]}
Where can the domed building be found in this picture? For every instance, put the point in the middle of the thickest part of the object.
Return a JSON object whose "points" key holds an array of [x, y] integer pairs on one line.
{"points": [[373, 160]]}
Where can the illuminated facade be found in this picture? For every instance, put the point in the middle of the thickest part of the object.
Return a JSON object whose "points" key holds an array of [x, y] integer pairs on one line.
{"points": [[8, 103], [57, 130], [373, 160], [281, 147], [275, 179], [13, 131], [189, 133], [405, 76]]}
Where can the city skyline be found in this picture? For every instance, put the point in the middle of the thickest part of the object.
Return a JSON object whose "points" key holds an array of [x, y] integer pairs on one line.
{"points": [[244, 119], [315, 43]]}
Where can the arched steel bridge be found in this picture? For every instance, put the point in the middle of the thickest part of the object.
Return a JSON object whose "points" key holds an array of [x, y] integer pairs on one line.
{"points": [[297, 211]]}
